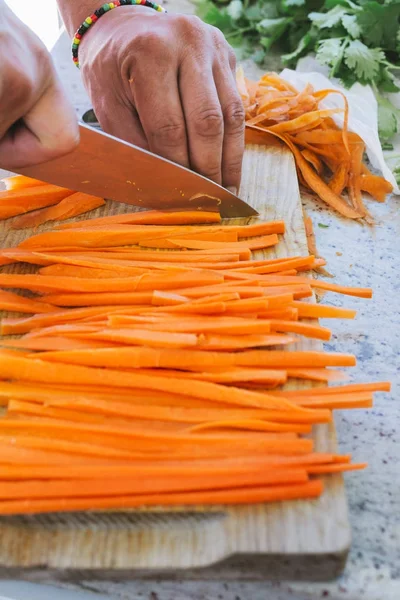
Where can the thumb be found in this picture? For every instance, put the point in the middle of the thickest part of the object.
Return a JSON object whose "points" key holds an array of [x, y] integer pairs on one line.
{"points": [[48, 130]]}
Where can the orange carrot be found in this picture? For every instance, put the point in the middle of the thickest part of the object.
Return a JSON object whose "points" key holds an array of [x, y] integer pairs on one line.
{"points": [[19, 182], [248, 495], [151, 217], [12, 367], [17, 201], [72, 206], [14, 302]]}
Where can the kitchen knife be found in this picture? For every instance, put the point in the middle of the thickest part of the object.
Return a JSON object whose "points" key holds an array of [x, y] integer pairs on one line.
{"points": [[105, 166]]}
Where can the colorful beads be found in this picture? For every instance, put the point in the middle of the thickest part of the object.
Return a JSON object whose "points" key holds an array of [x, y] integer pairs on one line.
{"points": [[89, 21]]}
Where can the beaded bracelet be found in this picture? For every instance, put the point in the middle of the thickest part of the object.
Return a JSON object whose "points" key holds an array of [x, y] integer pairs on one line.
{"points": [[87, 23]]}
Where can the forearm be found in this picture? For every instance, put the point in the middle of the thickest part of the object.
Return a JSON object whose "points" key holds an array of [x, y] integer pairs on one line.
{"points": [[75, 12]]}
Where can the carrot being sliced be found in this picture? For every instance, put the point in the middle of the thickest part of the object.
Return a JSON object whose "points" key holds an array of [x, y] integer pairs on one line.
{"points": [[17, 201], [151, 217], [72, 206], [311, 489], [19, 182]]}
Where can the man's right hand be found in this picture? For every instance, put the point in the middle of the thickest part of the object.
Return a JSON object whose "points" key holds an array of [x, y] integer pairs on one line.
{"points": [[37, 123]]}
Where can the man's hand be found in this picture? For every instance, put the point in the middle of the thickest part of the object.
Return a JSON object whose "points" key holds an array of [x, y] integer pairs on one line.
{"points": [[36, 121], [167, 83]]}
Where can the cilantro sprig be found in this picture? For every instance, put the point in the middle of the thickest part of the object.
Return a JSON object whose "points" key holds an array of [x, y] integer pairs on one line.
{"points": [[359, 40]]}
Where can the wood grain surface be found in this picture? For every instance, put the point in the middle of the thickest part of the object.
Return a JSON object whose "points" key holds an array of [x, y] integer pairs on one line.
{"points": [[299, 539]]}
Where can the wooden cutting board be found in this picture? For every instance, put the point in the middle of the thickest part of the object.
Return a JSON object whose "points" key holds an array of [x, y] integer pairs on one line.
{"points": [[293, 540]]}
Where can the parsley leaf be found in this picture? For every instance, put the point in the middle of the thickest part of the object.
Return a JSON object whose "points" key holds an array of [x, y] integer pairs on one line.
{"points": [[322, 226], [363, 60], [329, 50], [351, 25], [329, 19], [387, 118]]}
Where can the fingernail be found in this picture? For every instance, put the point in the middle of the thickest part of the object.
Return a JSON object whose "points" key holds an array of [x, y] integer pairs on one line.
{"points": [[232, 189]]}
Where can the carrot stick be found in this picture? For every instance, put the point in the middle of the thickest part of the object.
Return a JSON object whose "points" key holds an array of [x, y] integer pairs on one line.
{"points": [[55, 343], [110, 487], [252, 425], [143, 337], [24, 369], [317, 374], [337, 468], [150, 217], [19, 182], [306, 329], [15, 202], [72, 206], [380, 386], [316, 311], [198, 360], [251, 244], [311, 489], [13, 302]]}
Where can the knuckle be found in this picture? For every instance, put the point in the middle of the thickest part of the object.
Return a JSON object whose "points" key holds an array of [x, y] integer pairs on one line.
{"points": [[170, 134], [209, 122], [192, 28], [232, 58], [234, 116]]}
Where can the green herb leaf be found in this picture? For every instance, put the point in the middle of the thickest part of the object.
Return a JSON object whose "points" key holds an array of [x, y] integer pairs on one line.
{"points": [[289, 3], [387, 147], [235, 9], [329, 50], [329, 19], [387, 118], [365, 61], [351, 25], [303, 45], [322, 226], [271, 30]]}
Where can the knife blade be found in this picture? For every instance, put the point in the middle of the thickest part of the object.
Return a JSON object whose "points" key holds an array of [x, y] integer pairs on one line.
{"points": [[105, 166]]}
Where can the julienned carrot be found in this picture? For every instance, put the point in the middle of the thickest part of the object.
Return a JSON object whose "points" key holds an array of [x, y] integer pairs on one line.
{"points": [[56, 342], [62, 270], [11, 326], [199, 324], [380, 386], [16, 303], [163, 243], [73, 205], [19, 182], [317, 374], [310, 489], [242, 342], [198, 360], [143, 337], [250, 425], [16, 202], [148, 485], [317, 311], [135, 284], [12, 367], [337, 468], [251, 244], [151, 217]]}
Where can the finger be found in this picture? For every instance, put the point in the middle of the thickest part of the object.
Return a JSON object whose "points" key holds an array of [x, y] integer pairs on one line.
{"points": [[123, 123], [157, 101], [204, 120], [234, 121], [48, 130]]}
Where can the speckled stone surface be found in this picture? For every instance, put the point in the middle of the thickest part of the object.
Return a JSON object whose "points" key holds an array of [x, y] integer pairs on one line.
{"points": [[361, 256]]}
